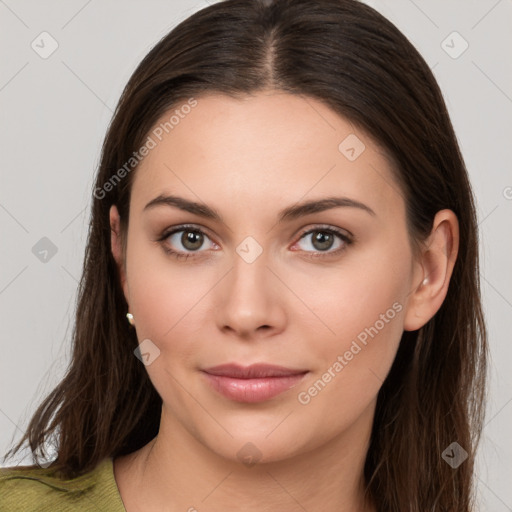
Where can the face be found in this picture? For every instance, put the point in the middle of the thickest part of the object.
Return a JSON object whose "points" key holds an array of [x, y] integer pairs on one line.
{"points": [[320, 291]]}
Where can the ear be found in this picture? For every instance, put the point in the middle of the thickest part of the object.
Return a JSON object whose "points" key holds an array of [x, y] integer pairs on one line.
{"points": [[117, 247], [433, 271]]}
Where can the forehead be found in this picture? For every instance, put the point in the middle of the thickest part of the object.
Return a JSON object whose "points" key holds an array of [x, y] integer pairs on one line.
{"points": [[260, 149]]}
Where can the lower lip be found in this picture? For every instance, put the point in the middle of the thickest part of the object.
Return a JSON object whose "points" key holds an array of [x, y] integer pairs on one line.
{"points": [[252, 390]]}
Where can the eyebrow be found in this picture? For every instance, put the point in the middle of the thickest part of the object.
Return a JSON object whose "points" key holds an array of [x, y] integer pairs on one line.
{"points": [[288, 214]]}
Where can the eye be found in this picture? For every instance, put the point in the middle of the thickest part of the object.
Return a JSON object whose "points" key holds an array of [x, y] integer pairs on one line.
{"points": [[190, 238], [323, 239]]}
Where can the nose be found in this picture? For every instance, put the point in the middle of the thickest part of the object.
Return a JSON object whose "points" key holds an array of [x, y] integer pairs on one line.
{"points": [[250, 301]]}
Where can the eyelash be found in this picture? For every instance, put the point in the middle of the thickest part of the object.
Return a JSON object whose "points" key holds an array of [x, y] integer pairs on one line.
{"points": [[347, 240]]}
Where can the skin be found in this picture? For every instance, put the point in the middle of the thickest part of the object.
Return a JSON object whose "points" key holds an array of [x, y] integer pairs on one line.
{"points": [[249, 158]]}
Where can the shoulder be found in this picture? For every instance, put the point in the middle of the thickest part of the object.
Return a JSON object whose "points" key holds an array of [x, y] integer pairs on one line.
{"points": [[32, 488]]}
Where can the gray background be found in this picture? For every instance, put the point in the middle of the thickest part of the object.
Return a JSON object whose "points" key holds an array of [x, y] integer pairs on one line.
{"points": [[55, 112]]}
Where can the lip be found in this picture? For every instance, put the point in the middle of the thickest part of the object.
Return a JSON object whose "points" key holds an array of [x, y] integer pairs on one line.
{"points": [[254, 383]]}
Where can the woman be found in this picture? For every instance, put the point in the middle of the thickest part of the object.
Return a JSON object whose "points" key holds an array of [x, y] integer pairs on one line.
{"points": [[280, 304]]}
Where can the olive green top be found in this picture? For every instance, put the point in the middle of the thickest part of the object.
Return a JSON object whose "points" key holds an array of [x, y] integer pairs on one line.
{"points": [[32, 488]]}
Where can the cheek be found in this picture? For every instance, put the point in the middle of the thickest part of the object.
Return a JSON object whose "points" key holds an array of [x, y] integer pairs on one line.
{"points": [[365, 292], [165, 295], [361, 333], [167, 304], [161, 300], [353, 367]]}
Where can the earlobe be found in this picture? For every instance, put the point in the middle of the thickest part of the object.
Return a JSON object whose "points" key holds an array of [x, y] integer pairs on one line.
{"points": [[117, 246], [433, 271]]}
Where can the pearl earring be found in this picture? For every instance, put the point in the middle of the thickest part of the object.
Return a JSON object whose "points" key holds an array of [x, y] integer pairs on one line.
{"points": [[129, 316]]}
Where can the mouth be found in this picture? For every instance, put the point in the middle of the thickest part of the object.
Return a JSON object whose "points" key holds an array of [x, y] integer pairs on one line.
{"points": [[254, 383]]}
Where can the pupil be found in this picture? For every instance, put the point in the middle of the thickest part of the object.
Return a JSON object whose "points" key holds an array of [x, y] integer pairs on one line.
{"points": [[324, 239], [191, 240]]}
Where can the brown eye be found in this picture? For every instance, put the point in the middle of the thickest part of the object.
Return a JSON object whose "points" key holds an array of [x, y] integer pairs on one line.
{"points": [[184, 241], [322, 240], [191, 240]]}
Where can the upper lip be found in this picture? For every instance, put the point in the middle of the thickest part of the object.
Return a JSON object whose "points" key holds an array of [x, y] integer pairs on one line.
{"points": [[254, 371]]}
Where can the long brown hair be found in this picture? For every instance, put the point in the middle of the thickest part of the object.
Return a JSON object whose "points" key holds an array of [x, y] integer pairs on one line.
{"points": [[347, 55]]}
